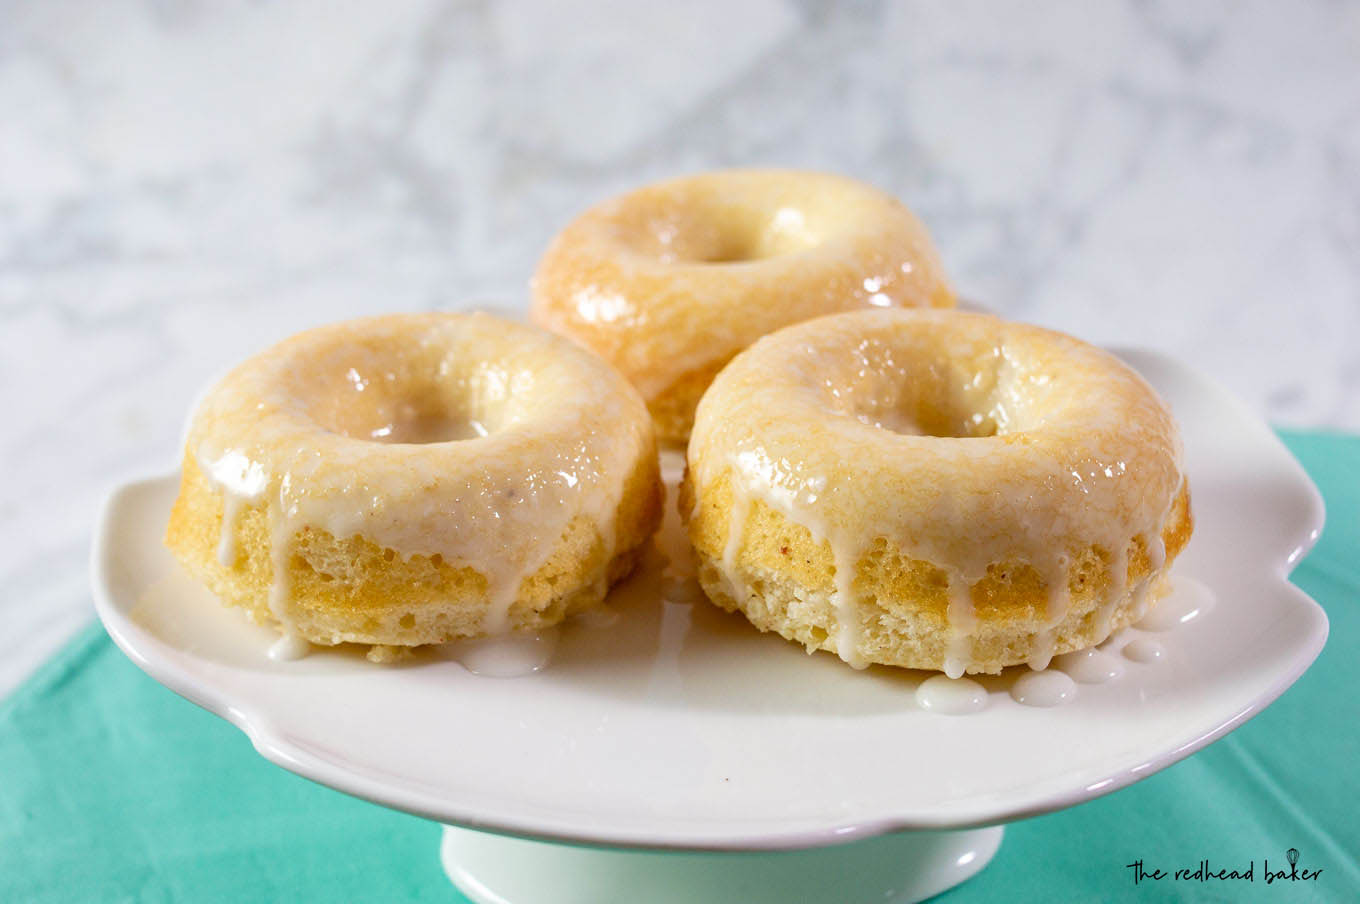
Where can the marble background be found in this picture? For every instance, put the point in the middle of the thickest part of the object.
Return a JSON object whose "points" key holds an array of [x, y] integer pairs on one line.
{"points": [[183, 182]]}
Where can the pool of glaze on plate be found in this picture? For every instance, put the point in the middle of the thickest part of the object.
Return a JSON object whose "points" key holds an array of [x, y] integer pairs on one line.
{"points": [[1060, 683]]}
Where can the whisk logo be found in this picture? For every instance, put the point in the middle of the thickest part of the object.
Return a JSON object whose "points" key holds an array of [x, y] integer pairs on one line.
{"points": [[1204, 871], [1293, 874]]}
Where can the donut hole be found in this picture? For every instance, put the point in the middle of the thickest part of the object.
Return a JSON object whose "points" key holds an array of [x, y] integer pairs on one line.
{"points": [[745, 237], [412, 423], [730, 247], [406, 415], [914, 384], [409, 396], [936, 399], [718, 231], [926, 417]]}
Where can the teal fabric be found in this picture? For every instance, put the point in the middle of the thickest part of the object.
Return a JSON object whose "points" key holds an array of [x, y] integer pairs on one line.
{"points": [[1289, 778], [114, 789]]}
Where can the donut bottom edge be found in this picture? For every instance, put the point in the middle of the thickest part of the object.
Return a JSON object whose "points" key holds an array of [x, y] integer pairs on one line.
{"points": [[896, 629], [353, 590]]}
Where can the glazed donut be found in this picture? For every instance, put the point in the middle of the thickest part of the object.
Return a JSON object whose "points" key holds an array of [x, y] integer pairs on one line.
{"points": [[670, 281], [411, 479], [934, 490]]}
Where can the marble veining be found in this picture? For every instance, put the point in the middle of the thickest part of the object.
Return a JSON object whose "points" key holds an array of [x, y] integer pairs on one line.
{"points": [[182, 183]]}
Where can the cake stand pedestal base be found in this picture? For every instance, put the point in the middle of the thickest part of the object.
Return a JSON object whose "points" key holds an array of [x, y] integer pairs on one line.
{"points": [[889, 869]]}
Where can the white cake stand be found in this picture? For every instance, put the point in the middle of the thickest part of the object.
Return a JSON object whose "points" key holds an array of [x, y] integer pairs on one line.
{"points": [[720, 764]]}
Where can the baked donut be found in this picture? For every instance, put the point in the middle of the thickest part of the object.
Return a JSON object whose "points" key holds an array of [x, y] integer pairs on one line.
{"points": [[411, 479], [934, 490], [670, 281]]}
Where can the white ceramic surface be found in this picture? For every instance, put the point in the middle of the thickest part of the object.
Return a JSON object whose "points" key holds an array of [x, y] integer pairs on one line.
{"points": [[1184, 176], [898, 868], [680, 726]]}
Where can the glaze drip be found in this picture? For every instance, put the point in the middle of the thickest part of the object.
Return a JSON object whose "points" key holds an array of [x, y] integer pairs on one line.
{"points": [[496, 440], [509, 655], [289, 648], [951, 696], [1007, 445], [1043, 688], [1187, 600]]}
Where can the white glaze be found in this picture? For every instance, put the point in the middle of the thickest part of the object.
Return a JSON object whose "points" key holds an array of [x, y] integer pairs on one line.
{"points": [[672, 466], [511, 655], [962, 622], [1090, 666], [596, 618], [1044, 644], [1116, 640], [1188, 599], [951, 696], [847, 615], [232, 505], [682, 590], [242, 482], [297, 428], [1043, 688], [1141, 596], [1144, 650], [1119, 585], [1058, 603], [1156, 549], [288, 648], [796, 424]]}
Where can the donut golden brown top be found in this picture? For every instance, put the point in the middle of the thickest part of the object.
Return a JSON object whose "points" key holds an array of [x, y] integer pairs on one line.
{"points": [[670, 281]]}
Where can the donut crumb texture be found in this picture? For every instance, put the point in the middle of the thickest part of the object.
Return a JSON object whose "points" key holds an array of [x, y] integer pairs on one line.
{"points": [[901, 602], [352, 590]]}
